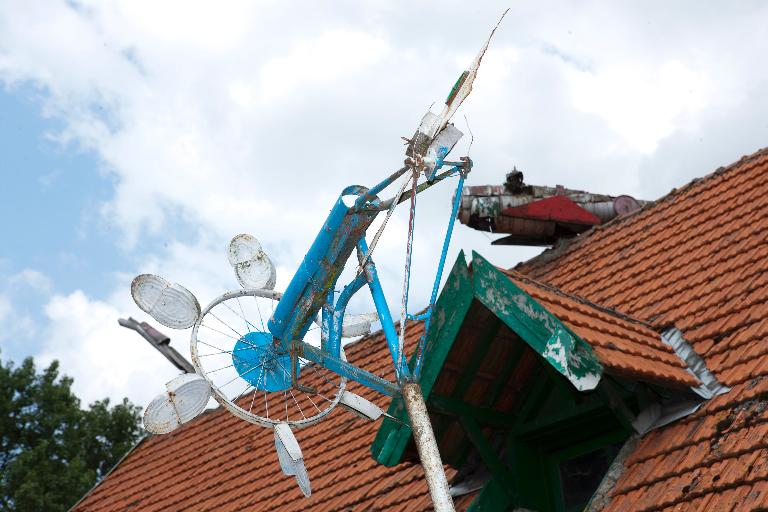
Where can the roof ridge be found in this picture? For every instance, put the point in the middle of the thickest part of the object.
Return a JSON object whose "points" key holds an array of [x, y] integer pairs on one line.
{"points": [[578, 298], [567, 245]]}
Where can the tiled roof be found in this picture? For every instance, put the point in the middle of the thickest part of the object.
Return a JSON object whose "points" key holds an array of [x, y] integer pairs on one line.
{"points": [[219, 462], [625, 346], [696, 259]]}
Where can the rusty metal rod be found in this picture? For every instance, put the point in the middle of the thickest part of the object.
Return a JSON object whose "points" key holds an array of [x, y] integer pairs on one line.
{"points": [[362, 200], [407, 195], [407, 275], [426, 445]]}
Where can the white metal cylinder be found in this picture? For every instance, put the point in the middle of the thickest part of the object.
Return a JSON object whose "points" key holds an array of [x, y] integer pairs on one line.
{"points": [[427, 448]]}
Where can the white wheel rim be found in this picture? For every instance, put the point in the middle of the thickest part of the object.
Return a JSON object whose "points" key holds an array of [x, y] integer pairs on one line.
{"points": [[321, 407]]}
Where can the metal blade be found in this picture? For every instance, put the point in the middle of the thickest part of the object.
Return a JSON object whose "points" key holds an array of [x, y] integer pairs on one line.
{"points": [[290, 457], [358, 325], [359, 406], [189, 394]]}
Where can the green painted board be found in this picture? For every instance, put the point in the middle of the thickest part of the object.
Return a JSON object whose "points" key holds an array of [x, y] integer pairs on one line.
{"points": [[540, 329]]}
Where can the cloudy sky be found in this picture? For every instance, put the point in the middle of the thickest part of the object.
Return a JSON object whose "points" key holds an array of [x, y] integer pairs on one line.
{"points": [[141, 136]]}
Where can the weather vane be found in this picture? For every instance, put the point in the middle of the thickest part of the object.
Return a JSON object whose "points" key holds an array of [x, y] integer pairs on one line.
{"points": [[248, 346]]}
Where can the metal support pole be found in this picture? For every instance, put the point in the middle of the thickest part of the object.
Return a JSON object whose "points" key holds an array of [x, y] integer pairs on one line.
{"points": [[427, 447]]}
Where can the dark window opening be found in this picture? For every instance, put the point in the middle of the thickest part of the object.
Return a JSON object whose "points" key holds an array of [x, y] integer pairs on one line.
{"points": [[580, 476]]}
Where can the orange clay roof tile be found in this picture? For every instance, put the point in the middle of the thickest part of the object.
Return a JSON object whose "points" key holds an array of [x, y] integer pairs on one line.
{"points": [[625, 346], [696, 259]]}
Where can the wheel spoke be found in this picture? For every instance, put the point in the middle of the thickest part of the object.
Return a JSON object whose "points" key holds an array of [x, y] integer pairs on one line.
{"points": [[225, 323], [218, 331], [312, 365], [297, 404], [255, 388], [217, 369], [247, 323], [222, 351], [242, 393], [214, 346], [313, 403], [240, 375]]}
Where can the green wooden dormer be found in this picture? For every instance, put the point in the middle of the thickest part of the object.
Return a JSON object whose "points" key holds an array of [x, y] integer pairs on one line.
{"points": [[532, 392]]}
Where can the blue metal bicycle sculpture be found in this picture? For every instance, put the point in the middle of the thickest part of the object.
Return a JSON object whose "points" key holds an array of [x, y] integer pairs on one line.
{"points": [[250, 347]]}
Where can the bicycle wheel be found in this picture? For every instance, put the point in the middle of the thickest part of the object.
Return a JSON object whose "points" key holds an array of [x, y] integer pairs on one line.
{"points": [[249, 373]]}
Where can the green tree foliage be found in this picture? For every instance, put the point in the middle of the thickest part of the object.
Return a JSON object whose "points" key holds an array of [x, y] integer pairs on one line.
{"points": [[51, 450]]}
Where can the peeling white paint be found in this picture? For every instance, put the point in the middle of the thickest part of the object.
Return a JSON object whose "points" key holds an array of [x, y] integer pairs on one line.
{"points": [[561, 353], [523, 303]]}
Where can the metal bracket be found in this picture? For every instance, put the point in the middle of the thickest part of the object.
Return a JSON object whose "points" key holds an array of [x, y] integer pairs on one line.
{"points": [[294, 381]]}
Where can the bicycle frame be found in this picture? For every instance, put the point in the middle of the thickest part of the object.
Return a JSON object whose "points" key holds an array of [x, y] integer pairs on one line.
{"points": [[312, 287]]}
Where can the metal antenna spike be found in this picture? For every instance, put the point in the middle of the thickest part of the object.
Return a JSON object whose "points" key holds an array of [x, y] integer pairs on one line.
{"points": [[290, 457], [471, 135], [252, 266], [169, 303]]}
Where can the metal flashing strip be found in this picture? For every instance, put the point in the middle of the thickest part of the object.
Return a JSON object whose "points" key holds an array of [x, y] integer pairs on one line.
{"points": [[659, 414], [710, 387], [662, 413]]}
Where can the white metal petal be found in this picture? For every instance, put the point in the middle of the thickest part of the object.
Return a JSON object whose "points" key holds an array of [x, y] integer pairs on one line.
{"points": [[284, 433], [358, 325], [161, 417], [242, 248], [146, 290], [169, 303], [189, 393], [252, 266]]}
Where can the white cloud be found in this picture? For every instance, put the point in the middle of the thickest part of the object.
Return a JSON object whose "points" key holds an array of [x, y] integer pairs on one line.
{"points": [[17, 330], [5, 308], [326, 59], [18, 326], [642, 105], [214, 120], [104, 359], [31, 278]]}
